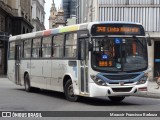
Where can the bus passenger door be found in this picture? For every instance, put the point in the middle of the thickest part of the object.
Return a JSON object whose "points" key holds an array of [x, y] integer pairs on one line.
{"points": [[17, 64], [83, 47]]}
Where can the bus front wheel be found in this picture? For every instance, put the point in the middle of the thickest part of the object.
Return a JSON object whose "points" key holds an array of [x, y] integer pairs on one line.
{"points": [[69, 92], [28, 88], [116, 98]]}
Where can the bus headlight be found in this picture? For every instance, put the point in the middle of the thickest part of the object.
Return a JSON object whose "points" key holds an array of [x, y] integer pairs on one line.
{"points": [[142, 80], [98, 81]]}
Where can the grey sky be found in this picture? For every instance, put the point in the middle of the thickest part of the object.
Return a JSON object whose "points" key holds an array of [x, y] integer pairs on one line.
{"points": [[47, 10]]}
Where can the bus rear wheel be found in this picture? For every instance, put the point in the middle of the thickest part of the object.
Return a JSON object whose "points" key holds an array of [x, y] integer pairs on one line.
{"points": [[116, 98], [69, 92], [27, 86]]}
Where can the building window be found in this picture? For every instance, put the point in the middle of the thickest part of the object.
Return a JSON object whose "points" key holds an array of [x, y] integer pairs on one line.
{"points": [[24, 30], [2, 24], [22, 13], [71, 45], [127, 2], [26, 17], [38, 14]]}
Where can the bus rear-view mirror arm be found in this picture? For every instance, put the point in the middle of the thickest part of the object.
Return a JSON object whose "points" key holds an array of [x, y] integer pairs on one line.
{"points": [[90, 46], [149, 41]]}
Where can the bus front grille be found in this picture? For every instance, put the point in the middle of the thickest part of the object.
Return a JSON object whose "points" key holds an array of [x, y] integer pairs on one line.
{"points": [[122, 89], [124, 83], [121, 77]]}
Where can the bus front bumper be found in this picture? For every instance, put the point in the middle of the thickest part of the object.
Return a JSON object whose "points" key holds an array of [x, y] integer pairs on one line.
{"points": [[117, 90]]}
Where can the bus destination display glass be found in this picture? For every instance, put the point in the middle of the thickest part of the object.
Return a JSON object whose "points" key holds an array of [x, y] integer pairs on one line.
{"points": [[117, 29]]}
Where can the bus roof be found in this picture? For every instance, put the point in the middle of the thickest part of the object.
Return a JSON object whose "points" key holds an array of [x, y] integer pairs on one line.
{"points": [[84, 26]]}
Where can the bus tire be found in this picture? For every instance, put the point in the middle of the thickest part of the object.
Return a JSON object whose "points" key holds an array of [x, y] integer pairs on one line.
{"points": [[68, 91], [116, 98], [27, 85]]}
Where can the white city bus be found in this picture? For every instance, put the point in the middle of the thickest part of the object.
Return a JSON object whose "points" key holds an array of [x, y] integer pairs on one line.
{"points": [[91, 59]]}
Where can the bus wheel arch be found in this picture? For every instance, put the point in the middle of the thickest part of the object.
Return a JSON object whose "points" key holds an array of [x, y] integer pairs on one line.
{"points": [[27, 84], [25, 75], [68, 89], [65, 79]]}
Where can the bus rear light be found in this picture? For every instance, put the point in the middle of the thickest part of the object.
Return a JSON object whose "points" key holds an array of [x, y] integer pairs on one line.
{"points": [[142, 89]]}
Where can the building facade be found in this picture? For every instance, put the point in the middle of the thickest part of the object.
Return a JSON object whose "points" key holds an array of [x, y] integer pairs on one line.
{"points": [[56, 18], [15, 18], [69, 7], [146, 12], [23, 17], [38, 15], [6, 14], [52, 17], [82, 11], [60, 22]]}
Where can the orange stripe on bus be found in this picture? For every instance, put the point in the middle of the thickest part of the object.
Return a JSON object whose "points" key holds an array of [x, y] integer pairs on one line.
{"points": [[47, 33]]}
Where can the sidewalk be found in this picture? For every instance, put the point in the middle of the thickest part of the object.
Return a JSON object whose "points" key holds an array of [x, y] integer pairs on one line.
{"points": [[152, 87], [153, 92]]}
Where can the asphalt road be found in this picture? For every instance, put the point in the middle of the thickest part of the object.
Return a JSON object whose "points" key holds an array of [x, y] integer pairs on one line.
{"points": [[14, 98]]}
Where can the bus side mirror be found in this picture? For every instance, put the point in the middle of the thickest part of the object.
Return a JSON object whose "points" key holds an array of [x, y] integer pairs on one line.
{"points": [[149, 42], [90, 46]]}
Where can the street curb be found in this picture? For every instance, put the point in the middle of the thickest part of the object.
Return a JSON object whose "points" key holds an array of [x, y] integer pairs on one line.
{"points": [[3, 76]]}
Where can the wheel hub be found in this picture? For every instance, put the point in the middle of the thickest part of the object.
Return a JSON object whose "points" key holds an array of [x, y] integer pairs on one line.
{"points": [[70, 91]]}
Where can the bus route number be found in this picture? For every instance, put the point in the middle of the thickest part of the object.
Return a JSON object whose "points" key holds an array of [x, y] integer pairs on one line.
{"points": [[105, 63]]}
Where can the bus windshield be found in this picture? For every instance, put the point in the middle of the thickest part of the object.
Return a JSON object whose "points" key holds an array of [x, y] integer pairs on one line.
{"points": [[119, 54]]}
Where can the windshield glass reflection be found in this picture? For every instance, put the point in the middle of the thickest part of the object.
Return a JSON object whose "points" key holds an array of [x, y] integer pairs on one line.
{"points": [[119, 54]]}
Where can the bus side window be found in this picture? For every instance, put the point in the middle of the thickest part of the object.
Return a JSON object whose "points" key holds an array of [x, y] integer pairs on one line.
{"points": [[71, 45], [22, 49], [36, 48], [58, 44], [27, 49], [11, 50], [46, 47]]}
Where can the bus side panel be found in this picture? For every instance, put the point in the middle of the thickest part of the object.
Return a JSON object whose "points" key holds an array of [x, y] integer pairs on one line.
{"points": [[61, 68], [24, 68], [58, 70], [72, 70], [11, 70], [36, 76], [47, 72]]}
